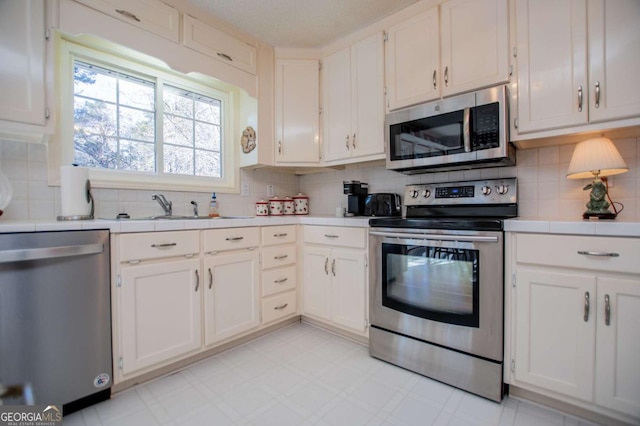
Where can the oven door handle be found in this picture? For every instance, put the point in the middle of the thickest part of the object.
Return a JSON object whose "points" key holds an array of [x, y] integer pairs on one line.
{"points": [[471, 238]]}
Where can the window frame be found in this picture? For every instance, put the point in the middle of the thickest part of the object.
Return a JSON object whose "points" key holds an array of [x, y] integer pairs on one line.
{"points": [[111, 56]]}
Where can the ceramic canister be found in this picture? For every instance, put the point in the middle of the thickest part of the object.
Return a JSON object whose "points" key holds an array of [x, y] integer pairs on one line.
{"points": [[276, 206], [262, 208], [289, 206], [301, 203]]}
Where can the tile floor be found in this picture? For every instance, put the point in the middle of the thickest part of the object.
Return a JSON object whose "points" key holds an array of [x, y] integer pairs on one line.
{"points": [[302, 375]]}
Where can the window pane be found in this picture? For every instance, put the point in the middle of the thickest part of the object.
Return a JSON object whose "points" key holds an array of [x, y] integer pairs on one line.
{"points": [[208, 111], [95, 117], [176, 103], [207, 163], [136, 94], [95, 151], [90, 83], [178, 130], [136, 124], [207, 136], [178, 160], [139, 156]]}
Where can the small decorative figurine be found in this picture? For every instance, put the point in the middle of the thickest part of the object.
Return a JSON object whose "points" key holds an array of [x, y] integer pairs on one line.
{"points": [[597, 204], [248, 140]]}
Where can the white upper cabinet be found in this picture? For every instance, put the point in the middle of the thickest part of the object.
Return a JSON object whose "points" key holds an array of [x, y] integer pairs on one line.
{"points": [[568, 76], [463, 47], [212, 42], [413, 60], [22, 78], [474, 44], [151, 15], [353, 108], [297, 93]]}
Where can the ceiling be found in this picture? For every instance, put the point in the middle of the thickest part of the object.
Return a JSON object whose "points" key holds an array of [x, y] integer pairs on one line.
{"points": [[301, 23]]}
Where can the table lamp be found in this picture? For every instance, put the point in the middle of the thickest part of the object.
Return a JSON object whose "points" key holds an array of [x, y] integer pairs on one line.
{"points": [[596, 158]]}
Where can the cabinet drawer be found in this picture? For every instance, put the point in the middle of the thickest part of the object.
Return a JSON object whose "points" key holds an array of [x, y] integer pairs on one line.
{"points": [[278, 280], [218, 45], [151, 15], [272, 235], [151, 245], [278, 256], [280, 306], [336, 236], [579, 252], [215, 240]]}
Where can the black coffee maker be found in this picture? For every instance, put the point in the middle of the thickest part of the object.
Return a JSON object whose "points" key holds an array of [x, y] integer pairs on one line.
{"points": [[356, 192]]}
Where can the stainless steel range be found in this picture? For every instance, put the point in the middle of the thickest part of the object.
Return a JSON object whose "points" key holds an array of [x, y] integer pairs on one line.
{"points": [[437, 283]]}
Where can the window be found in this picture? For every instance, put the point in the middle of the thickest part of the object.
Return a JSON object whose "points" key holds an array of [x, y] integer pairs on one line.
{"points": [[138, 124], [115, 125]]}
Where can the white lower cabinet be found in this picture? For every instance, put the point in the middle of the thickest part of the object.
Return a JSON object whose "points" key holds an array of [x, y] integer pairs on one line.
{"points": [[231, 295], [335, 278], [279, 273], [160, 312], [575, 310]]}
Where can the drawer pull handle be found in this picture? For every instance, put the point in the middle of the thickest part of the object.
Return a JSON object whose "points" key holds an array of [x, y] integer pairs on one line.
{"points": [[598, 253], [234, 238], [278, 308], [164, 245], [331, 236], [284, 234], [128, 14], [283, 256], [586, 306], [225, 56], [607, 310], [210, 279], [281, 281], [197, 280]]}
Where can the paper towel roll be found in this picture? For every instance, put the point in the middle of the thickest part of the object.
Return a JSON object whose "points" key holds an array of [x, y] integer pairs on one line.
{"points": [[73, 191]]}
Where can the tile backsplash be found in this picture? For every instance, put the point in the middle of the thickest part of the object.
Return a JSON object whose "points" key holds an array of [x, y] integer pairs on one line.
{"points": [[544, 192]]}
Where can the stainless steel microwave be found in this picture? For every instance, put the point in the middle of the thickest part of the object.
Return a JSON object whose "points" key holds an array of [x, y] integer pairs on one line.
{"points": [[462, 132]]}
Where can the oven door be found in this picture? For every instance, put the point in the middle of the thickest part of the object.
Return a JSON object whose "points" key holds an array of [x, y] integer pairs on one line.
{"points": [[443, 287]]}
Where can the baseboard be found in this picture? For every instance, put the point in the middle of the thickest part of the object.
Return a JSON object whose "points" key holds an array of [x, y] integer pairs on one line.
{"points": [[363, 340]]}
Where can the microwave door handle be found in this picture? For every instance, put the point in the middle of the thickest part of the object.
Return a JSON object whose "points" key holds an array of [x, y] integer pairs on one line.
{"points": [[466, 135]]}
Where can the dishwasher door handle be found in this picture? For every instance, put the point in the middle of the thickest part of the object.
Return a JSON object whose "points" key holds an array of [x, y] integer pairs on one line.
{"points": [[8, 256]]}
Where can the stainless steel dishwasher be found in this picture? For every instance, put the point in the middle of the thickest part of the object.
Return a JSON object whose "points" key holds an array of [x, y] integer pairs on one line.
{"points": [[55, 315]]}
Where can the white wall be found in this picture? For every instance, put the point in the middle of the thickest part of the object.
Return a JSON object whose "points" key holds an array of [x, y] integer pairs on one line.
{"points": [[543, 190]]}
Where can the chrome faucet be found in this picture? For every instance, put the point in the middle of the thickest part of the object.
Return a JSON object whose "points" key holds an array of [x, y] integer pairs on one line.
{"points": [[166, 205], [195, 208]]}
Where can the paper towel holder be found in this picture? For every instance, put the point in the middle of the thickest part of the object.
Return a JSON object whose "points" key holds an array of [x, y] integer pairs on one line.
{"points": [[90, 216]]}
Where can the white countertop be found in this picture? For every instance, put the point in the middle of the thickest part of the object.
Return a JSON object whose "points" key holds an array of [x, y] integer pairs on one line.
{"points": [[550, 226], [126, 225]]}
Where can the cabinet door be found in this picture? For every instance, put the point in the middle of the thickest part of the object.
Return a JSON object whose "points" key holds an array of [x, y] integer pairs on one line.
{"points": [[614, 59], [474, 44], [367, 97], [336, 111], [555, 346], [317, 282], [22, 91], [618, 375], [297, 111], [348, 289], [160, 312], [552, 64], [413, 60], [231, 303]]}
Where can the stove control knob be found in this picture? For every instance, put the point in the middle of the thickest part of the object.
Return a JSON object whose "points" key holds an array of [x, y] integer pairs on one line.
{"points": [[414, 193], [502, 189], [426, 193], [486, 190]]}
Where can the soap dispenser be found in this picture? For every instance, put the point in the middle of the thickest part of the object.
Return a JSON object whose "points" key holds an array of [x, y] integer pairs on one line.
{"points": [[213, 206]]}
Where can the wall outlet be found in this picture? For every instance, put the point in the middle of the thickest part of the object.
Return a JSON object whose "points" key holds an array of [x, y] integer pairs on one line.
{"points": [[270, 192], [244, 189]]}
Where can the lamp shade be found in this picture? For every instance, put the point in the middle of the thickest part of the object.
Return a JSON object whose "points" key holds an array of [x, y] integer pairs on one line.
{"points": [[597, 156]]}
